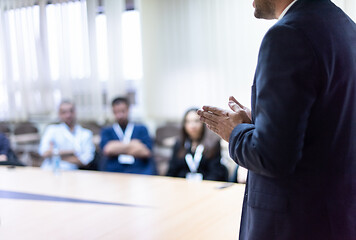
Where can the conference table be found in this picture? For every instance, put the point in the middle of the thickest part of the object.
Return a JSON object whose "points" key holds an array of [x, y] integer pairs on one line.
{"points": [[39, 204]]}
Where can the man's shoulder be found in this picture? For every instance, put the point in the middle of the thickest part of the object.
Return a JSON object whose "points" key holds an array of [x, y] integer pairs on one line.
{"points": [[140, 130], [319, 24], [107, 129], [52, 130], [317, 15], [85, 130], [140, 127], [53, 127], [282, 33]]}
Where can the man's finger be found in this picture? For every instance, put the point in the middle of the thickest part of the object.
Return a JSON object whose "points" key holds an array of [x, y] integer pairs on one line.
{"points": [[234, 107], [214, 129], [208, 115], [200, 112], [233, 99], [214, 110], [208, 121]]}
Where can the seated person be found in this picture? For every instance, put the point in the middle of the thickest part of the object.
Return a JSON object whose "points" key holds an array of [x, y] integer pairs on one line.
{"points": [[126, 147], [4, 147], [7, 156], [195, 154], [73, 143]]}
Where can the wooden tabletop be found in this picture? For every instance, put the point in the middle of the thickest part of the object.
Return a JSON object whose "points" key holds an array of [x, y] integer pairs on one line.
{"points": [[37, 204]]}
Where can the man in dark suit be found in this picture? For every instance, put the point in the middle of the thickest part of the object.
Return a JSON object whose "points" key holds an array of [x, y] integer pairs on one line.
{"points": [[300, 142]]}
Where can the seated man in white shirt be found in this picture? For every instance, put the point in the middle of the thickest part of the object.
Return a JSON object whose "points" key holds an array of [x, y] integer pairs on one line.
{"points": [[73, 142]]}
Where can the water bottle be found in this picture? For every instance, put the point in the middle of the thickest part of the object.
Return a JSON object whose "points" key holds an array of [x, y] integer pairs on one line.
{"points": [[56, 159]]}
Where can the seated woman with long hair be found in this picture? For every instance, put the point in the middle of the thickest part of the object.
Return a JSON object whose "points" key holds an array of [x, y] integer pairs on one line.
{"points": [[197, 153]]}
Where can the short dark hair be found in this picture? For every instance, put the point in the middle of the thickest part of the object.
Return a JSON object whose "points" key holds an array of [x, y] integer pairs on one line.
{"points": [[66, 101], [119, 100]]}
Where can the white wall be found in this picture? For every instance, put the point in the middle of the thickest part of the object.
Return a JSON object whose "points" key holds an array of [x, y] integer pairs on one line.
{"points": [[195, 52], [349, 6], [200, 52]]}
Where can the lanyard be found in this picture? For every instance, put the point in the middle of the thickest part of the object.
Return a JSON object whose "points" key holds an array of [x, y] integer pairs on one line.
{"points": [[193, 163], [124, 137]]}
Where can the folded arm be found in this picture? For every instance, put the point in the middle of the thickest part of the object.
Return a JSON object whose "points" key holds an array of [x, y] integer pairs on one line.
{"points": [[134, 148]]}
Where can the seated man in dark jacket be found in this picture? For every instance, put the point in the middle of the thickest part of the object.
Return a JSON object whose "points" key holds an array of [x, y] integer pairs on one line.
{"points": [[126, 147]]}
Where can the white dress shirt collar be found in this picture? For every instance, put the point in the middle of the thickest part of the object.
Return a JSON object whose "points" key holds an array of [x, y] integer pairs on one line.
{"points": [[286, 10], [65, 126]]}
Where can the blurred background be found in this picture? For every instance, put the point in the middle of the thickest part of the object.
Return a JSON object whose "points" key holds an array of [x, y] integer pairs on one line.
{"points": [[164, 55]]}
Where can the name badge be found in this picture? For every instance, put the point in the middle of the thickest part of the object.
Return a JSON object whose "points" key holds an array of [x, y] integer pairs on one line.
{"points": [[126, 159], [194, 176]]}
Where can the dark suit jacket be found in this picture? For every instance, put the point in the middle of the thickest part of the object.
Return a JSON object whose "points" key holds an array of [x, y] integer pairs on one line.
{"points": [[140, 166], [301, 146]]}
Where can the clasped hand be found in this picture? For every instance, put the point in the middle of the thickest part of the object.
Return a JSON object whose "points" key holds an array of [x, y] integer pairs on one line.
{"points": [[221, 121]]}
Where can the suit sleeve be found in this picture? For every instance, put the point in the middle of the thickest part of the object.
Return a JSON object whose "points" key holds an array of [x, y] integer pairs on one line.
{"points": [[286, 84]]}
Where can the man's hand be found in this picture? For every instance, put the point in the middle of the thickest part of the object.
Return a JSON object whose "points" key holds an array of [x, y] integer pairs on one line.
{"points": [[134, 148], [115, 147], [72, 159], [3, 158], [236, 106], [49, 152], [222, 122], [138, 149]]}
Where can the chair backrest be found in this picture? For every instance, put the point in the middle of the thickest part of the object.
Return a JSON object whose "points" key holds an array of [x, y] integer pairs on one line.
{"points": [[26, 133], [5, 128], [165, 132], [92, 126], [24, 128]]}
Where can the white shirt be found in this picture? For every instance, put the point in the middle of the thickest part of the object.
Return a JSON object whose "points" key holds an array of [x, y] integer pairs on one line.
{"points": [[286, 10], [80, 141]]}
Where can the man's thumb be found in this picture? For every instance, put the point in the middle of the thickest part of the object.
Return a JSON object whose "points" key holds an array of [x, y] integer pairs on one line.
{"points": [[234, 107]]}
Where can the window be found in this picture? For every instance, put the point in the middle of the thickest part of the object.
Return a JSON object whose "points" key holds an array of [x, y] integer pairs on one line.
{"points": [[102, 47], [132, 49], [67, 40]]}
